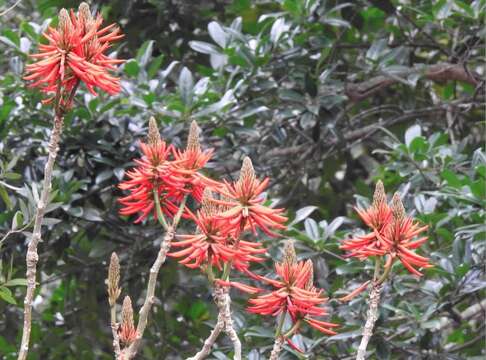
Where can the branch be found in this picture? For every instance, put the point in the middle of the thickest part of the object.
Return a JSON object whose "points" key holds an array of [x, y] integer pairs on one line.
{"points": [[10, 8], [208, 344], [465, 315], [437, 73], [114, 330], [32, 256], [130, 352], [277, 348], [228, 324], [372, 316]]}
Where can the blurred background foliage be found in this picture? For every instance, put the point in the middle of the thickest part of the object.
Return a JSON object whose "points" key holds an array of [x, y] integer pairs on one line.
{"points": [[326, 97]]}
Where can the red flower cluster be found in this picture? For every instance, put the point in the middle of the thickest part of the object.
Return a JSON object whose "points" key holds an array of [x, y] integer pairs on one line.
{"points": [[76, 52], [392, 233], [210, 246], [244, 201], [171, 174], [294, 294], [376, 217], [164, 171], [221, 220]]}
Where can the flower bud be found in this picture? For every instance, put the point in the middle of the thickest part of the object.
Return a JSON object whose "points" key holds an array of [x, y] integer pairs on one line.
{"points": [[247, 173], [289, 255], [153, 137], [379, 197], [113, 279], [310, 281], [127, 327], [84, 12], [64, 21], [193, 137], [398, 210]]}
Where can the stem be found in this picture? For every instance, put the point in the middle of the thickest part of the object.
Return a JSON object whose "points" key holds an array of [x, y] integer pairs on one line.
{"points": [[178, 215], [218, 296], [210, 271], [114, 330], [281, 322], [277, 348], [229, 264], [32, 257], [293, 329], [383, 277], [372, 316], [160, 214], [376, 274], [130, 352], [228, 324], [209, 342]]}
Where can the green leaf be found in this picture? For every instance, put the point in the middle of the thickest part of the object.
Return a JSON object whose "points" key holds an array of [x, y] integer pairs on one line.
{"points": [[155, 66], [293, 6], [411, 133], [12, 176], [451, 178], [5, 197], [12, 36], [197, 310], [419, 145], [6, 295], [16, 282], [478, 188], [132, 68], [18, 220], [145, 52]]}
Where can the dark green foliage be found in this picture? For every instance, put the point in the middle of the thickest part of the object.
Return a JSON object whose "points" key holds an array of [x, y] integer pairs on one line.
{"points": [[325, 97]]}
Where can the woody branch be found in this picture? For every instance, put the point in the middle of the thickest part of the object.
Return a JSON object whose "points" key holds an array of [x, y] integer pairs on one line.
{"points": [[170, 230], [32, 256]]}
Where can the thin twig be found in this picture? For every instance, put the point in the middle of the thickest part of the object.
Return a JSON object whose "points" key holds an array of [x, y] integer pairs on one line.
{"points": [[10, 8], [11, 232]]}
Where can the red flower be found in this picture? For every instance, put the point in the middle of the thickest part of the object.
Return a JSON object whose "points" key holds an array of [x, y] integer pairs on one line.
{"points": [[294, 293], [401, 235], [75, 52], [244, 201], [377, 217], [152, 173], [209, 245]]}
